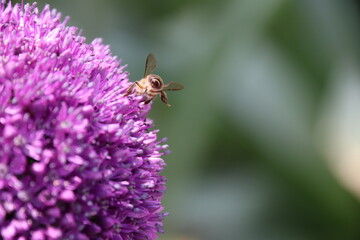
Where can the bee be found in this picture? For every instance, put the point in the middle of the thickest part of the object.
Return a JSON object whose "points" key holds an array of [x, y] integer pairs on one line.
{"points": [[151, 85]]}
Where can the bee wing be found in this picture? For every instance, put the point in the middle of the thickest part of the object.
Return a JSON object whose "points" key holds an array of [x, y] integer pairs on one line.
{"points": [[173, 86], [150, 64]]}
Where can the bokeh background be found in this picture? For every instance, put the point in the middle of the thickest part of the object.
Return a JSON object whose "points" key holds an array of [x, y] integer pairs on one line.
{"points": [[265, 138]]}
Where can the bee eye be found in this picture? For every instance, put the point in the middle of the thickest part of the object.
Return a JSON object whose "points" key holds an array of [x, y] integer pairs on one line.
{"points": [[155, 83]]}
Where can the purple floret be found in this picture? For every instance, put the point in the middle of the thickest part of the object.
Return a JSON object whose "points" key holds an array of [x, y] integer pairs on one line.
{"points": [[78, 160]]}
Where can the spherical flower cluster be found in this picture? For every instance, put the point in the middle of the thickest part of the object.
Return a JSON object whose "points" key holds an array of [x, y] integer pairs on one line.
{"points": [[78, 160]]}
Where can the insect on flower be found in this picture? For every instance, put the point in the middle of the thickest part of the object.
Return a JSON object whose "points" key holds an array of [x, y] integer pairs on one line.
{"points": [[152, 85], [66, 170]]}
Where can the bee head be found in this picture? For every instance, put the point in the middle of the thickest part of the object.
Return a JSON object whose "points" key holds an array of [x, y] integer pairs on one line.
{"points": [[155, 81]]}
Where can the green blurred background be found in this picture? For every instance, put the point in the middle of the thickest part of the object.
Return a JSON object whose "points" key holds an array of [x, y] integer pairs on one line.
{"points": [[265, 135]]}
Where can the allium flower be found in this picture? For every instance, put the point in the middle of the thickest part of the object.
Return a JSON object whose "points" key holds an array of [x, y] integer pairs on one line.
{"points": [[78, 160]]}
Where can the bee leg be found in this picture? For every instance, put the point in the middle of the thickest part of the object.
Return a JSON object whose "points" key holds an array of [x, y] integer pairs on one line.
{"points": [[129, 90], [149, 100], [139, 85], [164, 98], [144, 89]]}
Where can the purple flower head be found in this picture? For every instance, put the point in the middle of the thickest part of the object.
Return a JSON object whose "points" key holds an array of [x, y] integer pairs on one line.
{"points": [[77, 159]]}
